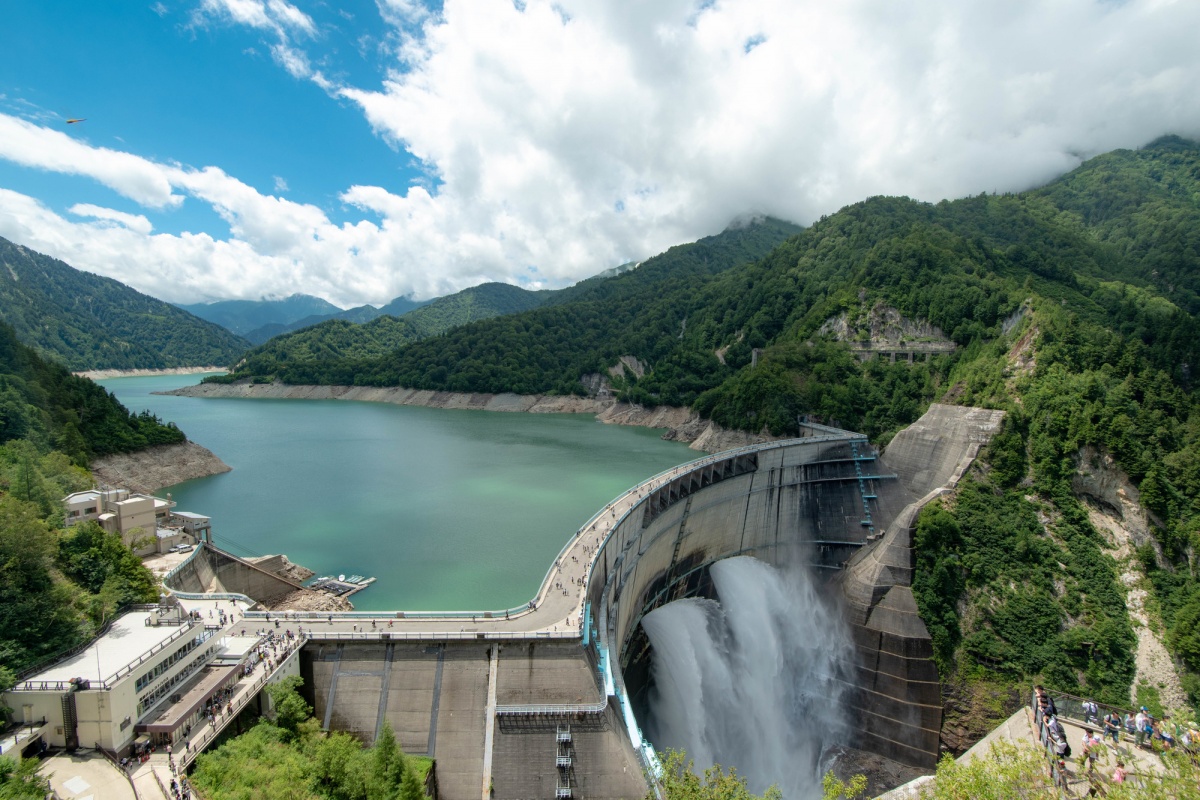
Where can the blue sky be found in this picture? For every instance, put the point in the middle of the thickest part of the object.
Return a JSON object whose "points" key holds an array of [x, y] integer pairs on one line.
{"points": [[159, 82], [361, 151]]}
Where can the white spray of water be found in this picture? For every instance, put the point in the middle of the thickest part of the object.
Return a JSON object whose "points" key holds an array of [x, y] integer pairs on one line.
{"points": [[752, 681]]}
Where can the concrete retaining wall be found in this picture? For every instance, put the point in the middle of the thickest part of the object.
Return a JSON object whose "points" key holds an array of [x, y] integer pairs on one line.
{"points": [[213, 570]]}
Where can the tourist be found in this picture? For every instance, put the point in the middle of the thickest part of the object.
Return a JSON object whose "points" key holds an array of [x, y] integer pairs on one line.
{"points": [[1159, 731], [1112, 727], [1062, 748], [1140, 724], [1118, 775], [1092, 743], [1091, 712]]}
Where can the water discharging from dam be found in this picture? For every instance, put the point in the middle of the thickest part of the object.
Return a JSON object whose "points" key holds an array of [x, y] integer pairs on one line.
{"points": [[751, 681]]}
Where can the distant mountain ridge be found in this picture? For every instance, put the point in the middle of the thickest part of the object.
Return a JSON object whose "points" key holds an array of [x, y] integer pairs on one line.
{"points": [[89, 322], [243, 316], [338, 340]]}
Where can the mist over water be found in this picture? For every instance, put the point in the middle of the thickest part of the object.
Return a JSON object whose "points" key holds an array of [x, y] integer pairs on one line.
{"points": [[751, 681]]}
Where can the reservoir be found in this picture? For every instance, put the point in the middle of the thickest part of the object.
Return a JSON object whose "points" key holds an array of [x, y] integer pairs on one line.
{"points": [[448, 509]]}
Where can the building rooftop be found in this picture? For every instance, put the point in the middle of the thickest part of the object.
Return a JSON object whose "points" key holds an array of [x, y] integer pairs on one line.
{"points": [[189, 515], [237, 647], [129, 638]]}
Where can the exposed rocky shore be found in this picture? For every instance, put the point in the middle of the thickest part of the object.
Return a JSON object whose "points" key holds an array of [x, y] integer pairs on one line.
{"points": [[681, 424], [155, 467], [105, 374]]}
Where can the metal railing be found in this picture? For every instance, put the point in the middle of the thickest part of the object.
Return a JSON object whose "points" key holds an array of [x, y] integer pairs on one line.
{"points": [[1059, 771], [559, 710], [158, 648], [436, 636], [195, 747], [105, 683], [1071, 707], [66, 653]]}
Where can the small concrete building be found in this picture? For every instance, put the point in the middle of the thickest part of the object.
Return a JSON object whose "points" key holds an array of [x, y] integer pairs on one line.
{"points": [[117, 509], [147, 524]]}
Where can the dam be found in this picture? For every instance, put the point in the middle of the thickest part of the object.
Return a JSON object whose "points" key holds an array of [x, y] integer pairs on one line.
{"points": [[542, 700]]}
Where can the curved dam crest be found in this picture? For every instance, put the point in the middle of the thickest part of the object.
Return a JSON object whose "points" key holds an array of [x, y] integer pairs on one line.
{"points": [[512, 679]]}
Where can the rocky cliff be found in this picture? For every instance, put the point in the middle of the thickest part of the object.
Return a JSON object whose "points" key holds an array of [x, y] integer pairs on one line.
{"points": [[155, 467]]}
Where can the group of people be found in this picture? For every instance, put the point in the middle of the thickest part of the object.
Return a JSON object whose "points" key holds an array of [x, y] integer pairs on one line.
{"points": [[181, 789], [1093, 742], [1141, 726]]}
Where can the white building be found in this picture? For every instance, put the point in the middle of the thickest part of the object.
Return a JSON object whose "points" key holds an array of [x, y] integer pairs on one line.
{"points": [[150, 674]]}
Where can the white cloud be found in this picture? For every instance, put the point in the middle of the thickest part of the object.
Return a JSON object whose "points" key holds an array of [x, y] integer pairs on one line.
{"points": [[134, 222], [282, 20], [43, 148], [271, 15], [566, 137], [281, 185]]}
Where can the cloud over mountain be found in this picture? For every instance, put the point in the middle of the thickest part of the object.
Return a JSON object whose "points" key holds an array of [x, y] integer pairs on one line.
{"points": [[562, 138]]}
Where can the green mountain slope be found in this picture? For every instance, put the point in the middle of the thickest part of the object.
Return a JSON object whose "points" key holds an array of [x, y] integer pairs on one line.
{"points": [[332, 339], [566, 345], [58, 587], [44, 404], [470, 305], [88, 322]]}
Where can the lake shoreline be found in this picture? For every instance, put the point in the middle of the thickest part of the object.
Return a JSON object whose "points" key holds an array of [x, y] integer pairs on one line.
{"points": [[105, 374], [680, 424]]}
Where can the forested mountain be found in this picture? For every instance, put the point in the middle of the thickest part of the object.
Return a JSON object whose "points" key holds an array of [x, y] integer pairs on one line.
{"points": [[57, 587], [243, 316], [377, 331], [303, 357], [1071, 307], [88, 322]]}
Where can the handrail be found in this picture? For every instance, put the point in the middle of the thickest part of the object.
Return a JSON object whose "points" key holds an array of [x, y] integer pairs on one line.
{"points": [[1068, 704], [553, 709], [1058, 772], [158, 648], [105, 683], [63, 655], [437, 636], [112, 759], [189, 755]]}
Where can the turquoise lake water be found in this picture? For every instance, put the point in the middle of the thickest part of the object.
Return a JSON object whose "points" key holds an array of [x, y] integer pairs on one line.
{"points": [[448, 509]]}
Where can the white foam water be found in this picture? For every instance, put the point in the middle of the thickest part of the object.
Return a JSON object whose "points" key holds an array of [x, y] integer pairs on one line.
{"points": [[753, 681]]}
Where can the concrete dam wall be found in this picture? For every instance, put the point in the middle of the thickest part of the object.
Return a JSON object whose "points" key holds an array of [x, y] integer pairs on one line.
{"points": [[488, 693], [826, 500]]}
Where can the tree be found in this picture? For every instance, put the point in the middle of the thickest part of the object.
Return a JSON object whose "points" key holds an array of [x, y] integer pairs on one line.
{"points": [[387, 766], [411, 787], [833, 788], [1020, 770], [290, 708], [680, 782], [21, 781]]}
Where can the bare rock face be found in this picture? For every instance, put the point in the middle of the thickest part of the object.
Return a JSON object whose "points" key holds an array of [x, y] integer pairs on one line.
{"points": [[307, 600], [970, 711], [880, 324], [155, 467], [1098, 479]]}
